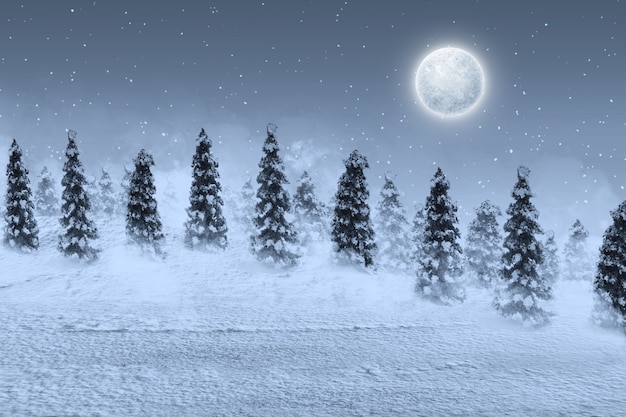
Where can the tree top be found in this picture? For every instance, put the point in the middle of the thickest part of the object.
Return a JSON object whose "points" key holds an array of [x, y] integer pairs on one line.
{"points": [[488, 207], [390, 176], [144, 158], [271, 129], [523, 172], [357, 160]]}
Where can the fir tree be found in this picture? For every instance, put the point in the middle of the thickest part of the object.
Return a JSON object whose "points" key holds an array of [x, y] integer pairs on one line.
{"points": [[440, 271], [522, 288], [352, 230], [549, 270], [78, 229], [578, 263], [94, 194], [392, 228], [610, 280], [310, 212], [246, 207], [46, 201], [21, 231], [274, 237], [108, 202], [124, 190], [483, 250], [205, 225], [143, 223], [417, 234]]}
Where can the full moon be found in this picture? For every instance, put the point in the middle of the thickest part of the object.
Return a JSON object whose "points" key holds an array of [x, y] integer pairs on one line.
{"points": [[449, 82]]}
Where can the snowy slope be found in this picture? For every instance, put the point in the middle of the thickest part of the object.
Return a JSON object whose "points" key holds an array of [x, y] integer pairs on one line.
{"points": [[220, 334]]}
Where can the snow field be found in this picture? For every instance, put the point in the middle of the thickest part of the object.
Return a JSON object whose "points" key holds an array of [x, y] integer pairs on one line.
{"points": [[220, 334]]}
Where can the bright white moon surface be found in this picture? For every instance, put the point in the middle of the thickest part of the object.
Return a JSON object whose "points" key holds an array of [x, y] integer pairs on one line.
{"points": [[449, 81]]}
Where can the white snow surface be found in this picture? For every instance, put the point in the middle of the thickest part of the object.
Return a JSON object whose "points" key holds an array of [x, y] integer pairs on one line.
{"points": [[219, 334]]}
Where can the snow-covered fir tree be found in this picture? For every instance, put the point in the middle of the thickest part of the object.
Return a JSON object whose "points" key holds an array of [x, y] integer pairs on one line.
{"points": [[310, 212], [46, 200], [441, 266], [246, 204], [578, 263], [78, 229], [392, 228], [94, 194], [205, 225], [108, 202], [143, 223], [417, 234], [483, 249], [522, 290], [274, 238], [122, 206], [549, 270], [21, 231], [610, 280], [352, 230]]}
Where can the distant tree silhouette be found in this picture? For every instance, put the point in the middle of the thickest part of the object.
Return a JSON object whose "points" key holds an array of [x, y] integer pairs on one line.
{"points": [[483, 251], [310, 212], [550, 269], [577, 263], [417, 235], [93, 192], [392, 228], [124, 190], [46, 201], [246, 206], [108, 201]]}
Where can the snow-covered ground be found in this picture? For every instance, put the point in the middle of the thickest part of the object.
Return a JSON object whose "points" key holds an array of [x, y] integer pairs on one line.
{"points": [[220, 334]]}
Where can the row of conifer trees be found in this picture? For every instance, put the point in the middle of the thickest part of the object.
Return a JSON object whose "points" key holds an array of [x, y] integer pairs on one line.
{"points": [[518, 268]]}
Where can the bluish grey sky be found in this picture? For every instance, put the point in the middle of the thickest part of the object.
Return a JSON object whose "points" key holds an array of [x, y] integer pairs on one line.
{"points": [[334, 76]]}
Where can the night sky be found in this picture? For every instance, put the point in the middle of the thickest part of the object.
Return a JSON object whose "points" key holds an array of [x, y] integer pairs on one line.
{"points": [[334, 76]]}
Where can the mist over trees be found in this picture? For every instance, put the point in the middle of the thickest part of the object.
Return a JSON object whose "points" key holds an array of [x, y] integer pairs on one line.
{"points": [[519, 270]]}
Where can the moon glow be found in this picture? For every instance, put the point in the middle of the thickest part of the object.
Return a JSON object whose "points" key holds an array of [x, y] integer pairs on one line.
{"points": [[449, 82]]}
